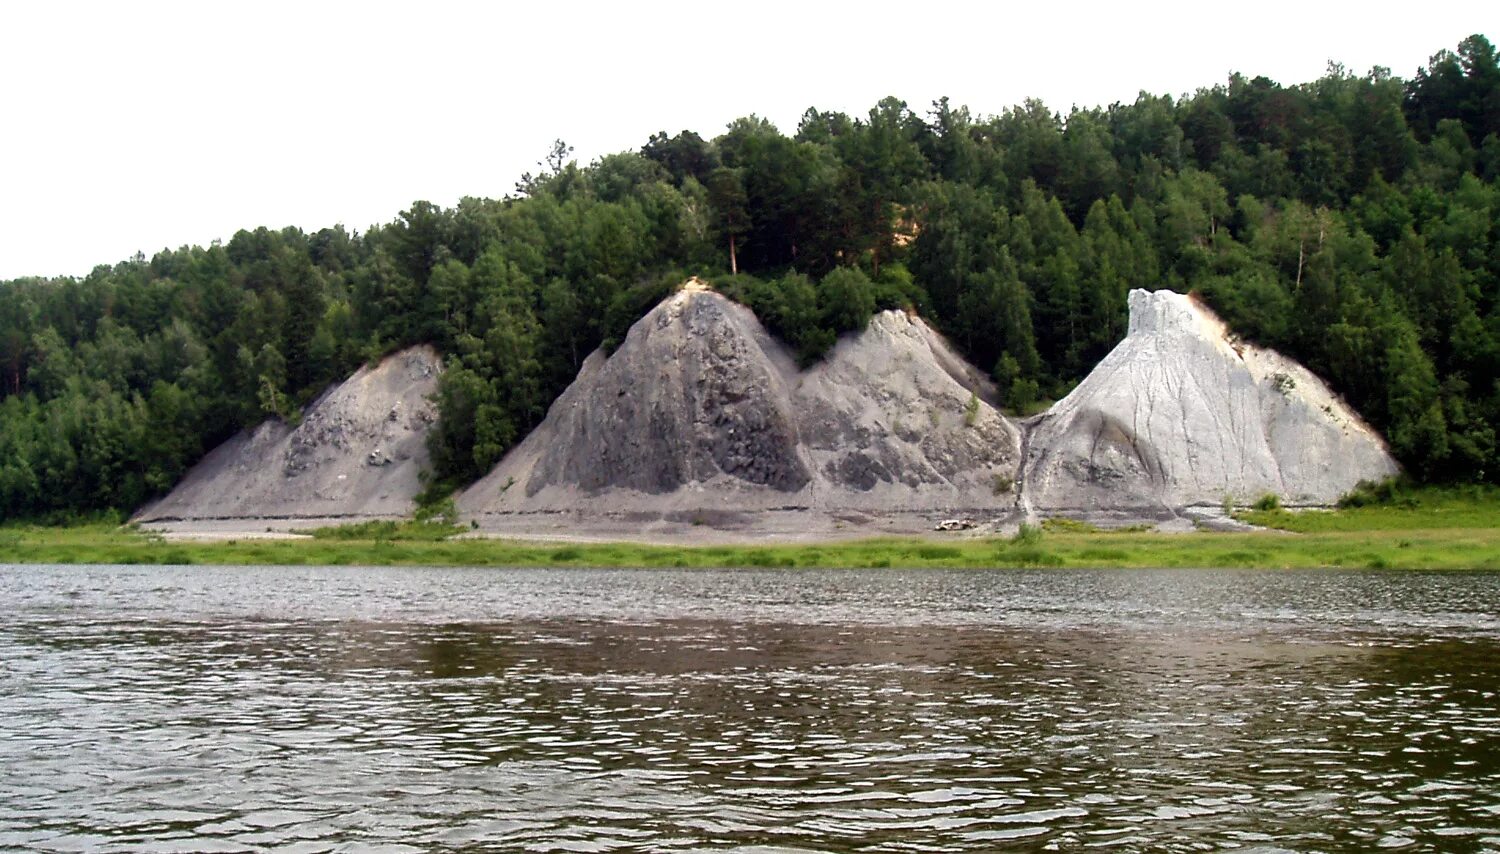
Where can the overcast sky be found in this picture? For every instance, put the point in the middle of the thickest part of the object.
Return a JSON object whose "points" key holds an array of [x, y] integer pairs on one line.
{"points": [[131, 127]]}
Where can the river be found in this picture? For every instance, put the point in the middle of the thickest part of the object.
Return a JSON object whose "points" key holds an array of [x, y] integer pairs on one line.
{"points": [[331, 709]]}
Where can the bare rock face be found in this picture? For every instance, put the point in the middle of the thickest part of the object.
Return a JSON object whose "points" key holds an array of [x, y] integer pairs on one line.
{"points": [[895, 410], [691, 397], [1180, 414], [701, 413], [701, 418], [358, 452]]}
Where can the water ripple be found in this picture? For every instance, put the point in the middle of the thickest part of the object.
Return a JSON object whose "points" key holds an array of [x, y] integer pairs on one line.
{"points": [[307, 710]]}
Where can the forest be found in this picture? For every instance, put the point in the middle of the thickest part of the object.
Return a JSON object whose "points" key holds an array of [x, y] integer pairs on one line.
{"points": [[1348, 222]]}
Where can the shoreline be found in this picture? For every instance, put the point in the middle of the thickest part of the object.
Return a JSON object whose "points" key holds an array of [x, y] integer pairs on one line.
{"points": [[1064, 545], [781, 526]]}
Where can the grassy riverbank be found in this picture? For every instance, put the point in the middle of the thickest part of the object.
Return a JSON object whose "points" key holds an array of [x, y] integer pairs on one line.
{"points": [[1427, 529]]}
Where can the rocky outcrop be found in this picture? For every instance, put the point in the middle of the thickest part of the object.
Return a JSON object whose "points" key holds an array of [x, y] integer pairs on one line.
{"points": [[358, 452], [701, 415], [1182, 414], [893, 414], [701, 426], [697, 393], [701, 418]]}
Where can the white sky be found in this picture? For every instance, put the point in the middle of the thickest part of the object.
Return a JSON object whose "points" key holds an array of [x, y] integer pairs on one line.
{"points": [[139, 126]]}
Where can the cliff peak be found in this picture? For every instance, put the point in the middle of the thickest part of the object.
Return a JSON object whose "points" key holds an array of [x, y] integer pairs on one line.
{"points": [[1181, 414], [700, 414], [358, 452]]}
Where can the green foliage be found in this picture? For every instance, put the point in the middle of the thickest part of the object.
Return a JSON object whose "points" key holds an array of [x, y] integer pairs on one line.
{"points": [[629, 305], [1064, 525], [971, 410], [1349, 222], [846, 299], [1025, 549], [809, 316], [1391, 492], [1019, 392], [1027, 535], [1395, 506], [389, 531], [1448, 531], [1269, 501], [440, 510]]}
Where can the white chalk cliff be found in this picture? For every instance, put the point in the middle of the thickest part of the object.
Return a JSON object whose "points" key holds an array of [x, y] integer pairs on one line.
{"points": [[1182, 414], [358, 452], [701, 418]]}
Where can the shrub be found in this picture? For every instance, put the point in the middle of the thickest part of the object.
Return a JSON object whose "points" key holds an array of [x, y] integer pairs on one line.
{"points": [[442, 511], [1022, 395], [1063, 525], [846, 298], [1369, 493], [1027, 535], [1269, 501]]}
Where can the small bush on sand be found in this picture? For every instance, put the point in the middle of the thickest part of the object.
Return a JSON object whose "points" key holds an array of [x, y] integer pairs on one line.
{"points": [[1269, 501]]}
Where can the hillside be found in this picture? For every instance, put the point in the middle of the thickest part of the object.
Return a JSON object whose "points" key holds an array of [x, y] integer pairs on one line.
{"points": [[702, 420], [1182, 414], [1348, 223], [358, 453], [700, 426]]}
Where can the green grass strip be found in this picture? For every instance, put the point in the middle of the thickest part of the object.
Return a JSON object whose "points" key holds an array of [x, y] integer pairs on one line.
{"points": [[1426, 528], [1418, 548]]}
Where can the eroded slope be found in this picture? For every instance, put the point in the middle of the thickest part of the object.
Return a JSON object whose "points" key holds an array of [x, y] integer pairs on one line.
{"points": [[701, 418], [358, 452], [1180, 414], [893, 417]]}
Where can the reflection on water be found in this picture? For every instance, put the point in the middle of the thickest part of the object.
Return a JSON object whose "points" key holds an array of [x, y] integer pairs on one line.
{"points": [[313, 710]]}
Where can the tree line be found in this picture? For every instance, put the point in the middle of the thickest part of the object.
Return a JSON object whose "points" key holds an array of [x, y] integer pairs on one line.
{"points": [[1349, 222]]}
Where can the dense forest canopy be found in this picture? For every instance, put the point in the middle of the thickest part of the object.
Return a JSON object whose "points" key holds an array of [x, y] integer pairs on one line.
{"points": [[1349, 222]]}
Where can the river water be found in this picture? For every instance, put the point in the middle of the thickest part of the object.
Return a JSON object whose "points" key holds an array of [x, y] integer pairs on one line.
{"points": [[302, 709]]}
